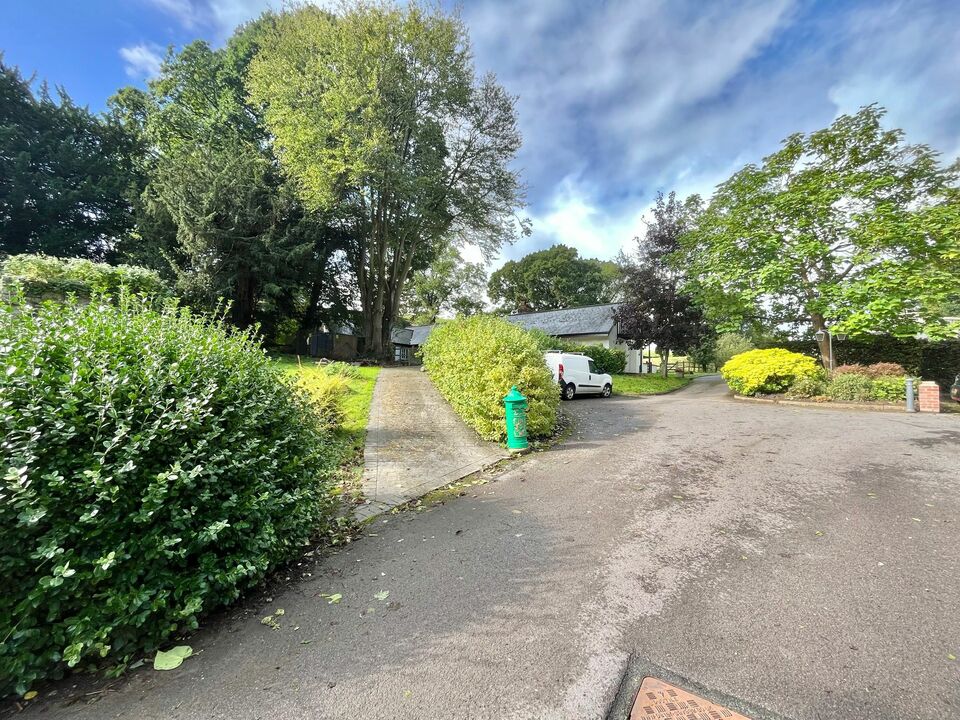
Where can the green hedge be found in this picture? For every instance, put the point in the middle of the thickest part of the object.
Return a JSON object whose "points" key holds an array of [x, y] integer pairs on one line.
{"points": [[155, 465], [612, 361], [474, 361], [50, 278], [939, 361]]}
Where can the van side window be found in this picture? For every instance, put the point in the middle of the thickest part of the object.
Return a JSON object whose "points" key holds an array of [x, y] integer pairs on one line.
{"points": [[593, 368]]}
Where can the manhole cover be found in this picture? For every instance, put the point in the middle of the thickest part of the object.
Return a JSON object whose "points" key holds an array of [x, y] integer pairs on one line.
{"points": [[658, 700]]}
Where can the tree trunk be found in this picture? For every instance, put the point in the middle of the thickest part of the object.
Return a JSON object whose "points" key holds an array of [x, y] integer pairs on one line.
{"points": [[664, 359], [820, 325], [244, 300], [308, 323]]}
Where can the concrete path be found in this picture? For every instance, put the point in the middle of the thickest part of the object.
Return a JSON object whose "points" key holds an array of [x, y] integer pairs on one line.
{"points": [[415, 442], [791, 562]]}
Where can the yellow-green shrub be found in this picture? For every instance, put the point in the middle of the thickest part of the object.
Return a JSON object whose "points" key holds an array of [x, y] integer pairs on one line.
{"points": [[328, 392], [767, 371], [474, 361]]}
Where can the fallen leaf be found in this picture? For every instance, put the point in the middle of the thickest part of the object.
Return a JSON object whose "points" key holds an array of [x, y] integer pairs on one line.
{"points": [[382, 595], [30, 695], [950, 656], [334, 599], [916, 519], [172, 658], [819, 532]]}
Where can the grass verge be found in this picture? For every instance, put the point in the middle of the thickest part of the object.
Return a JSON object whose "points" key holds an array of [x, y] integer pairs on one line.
{"points": [[647, 384], [352, 433]]}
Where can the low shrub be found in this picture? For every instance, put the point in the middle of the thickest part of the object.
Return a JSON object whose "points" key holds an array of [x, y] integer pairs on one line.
{"points": [[851, 387], [342, 369], [886, 369], [877, 370], [850, 369], [44, 276], [474, 361], [729, 345], [156, 464], [327, 391], [889, 389], [768, 371], [807, 386]]}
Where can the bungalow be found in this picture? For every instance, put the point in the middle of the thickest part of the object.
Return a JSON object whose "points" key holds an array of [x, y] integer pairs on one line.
{"points": [[406, 341], [589, 325]]}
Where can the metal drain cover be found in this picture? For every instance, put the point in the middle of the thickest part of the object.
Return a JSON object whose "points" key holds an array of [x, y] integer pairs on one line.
{"points": [[659, 700]]}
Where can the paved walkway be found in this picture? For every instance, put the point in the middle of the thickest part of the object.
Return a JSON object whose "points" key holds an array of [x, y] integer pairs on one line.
{"points": [[415, 442]]}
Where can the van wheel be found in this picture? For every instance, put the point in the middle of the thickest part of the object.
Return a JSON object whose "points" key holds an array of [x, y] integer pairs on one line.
{"points": [[607, 389], [569, 390]]}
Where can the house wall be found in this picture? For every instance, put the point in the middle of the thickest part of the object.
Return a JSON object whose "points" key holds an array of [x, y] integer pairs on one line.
{"points": [[408, 354], [599, 339]]}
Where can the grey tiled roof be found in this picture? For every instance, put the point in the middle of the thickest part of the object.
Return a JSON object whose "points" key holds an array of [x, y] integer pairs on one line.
{"points": [[413, 335], [590, 320]]}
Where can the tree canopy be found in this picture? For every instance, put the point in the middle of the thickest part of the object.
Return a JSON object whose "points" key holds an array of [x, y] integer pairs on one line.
{"points": [[215, 209], [449, 285], [848, 227], [64, 174], [551, 279], [396, 135], [655, 307]]}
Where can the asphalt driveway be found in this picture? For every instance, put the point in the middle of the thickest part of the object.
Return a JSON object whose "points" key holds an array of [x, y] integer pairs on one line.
{"points": [[800, 563]]}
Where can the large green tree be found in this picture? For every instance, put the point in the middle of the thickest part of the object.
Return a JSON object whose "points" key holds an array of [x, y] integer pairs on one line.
{"points": [[215, 206], [448, 285], [64, 174], [553, 278], [375, 112], [847, 227]]}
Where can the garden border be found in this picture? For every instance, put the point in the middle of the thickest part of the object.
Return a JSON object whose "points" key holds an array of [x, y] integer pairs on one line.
{"points": [[879, 407]]}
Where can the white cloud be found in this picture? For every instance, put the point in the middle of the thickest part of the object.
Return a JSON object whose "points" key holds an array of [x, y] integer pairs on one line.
{"points": [[621, 99], [142, 61], [626, 98], [218, 17], [185, 11]]}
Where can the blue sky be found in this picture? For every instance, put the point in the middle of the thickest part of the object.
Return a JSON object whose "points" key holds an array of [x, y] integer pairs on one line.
{"points": [[618, 99]]}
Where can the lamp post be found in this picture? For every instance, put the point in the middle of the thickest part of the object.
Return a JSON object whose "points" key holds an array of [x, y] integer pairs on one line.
{"points": [[825, 333]]}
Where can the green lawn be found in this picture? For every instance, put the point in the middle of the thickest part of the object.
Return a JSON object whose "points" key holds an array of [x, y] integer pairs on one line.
{"points": [[352, 433], [647, 384]]}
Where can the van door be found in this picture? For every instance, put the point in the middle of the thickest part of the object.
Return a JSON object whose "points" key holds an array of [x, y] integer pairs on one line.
{"points": [[592, 385]]}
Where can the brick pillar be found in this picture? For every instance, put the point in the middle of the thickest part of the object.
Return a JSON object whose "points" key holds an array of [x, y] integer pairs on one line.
{"points": [[929, 397]]}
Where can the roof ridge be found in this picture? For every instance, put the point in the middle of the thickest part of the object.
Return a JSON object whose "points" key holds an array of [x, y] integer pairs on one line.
{"points": [[575, 307]]}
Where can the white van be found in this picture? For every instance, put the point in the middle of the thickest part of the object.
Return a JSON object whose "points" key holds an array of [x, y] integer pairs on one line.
{"points": [[576, 374]]}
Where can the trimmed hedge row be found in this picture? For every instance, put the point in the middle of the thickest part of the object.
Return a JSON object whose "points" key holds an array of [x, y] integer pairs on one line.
{"points": [[474, 362], [156, 464], [939, 361], [52, 278]]}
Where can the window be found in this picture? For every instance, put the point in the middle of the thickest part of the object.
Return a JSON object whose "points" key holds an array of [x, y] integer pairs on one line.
{"points": [[593, 368], [400, 354]]}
